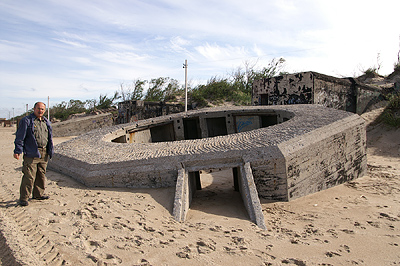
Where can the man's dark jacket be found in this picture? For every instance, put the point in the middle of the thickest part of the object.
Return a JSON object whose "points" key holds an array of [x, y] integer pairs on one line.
{"points": [[25, 138]]}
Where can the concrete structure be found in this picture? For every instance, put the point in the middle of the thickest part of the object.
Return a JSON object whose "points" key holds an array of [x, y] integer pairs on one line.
{"points": [[132, 111], [6, 123], [275, 152], [314, 88], [80, 125]]}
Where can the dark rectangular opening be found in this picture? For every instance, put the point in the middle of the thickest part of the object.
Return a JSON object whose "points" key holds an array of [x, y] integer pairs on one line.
{"points": [[192, 128], [216, 127], [162, 133], [269, 120], [264, 99]]}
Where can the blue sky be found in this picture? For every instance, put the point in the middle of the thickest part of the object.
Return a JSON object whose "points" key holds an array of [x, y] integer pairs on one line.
{"points": [[79, 49]]}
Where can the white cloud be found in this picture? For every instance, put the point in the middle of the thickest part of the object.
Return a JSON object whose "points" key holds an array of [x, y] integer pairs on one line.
{"points": [[72, 43], [12, 51], [215, 52]]}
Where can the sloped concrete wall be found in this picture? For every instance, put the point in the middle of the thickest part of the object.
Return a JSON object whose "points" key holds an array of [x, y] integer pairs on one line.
{"points": [[78, 126], [329, 156], [270, 176], [334, 92], [367, 96]]}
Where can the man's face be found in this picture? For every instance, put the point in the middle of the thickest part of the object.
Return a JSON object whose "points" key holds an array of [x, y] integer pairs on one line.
{"points": [[39, 110]]}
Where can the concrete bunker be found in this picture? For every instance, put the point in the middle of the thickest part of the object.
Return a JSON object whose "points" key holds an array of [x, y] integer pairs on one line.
{"points": [[314, 149]]}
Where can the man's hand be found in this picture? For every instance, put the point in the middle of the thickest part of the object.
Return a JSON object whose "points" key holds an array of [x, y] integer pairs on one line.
{"points": [[16, 156]]}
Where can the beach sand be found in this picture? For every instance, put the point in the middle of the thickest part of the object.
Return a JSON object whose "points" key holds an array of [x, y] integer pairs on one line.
{"points": [[357, 223]]}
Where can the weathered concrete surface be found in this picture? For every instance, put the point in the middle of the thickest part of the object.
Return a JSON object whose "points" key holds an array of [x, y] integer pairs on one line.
{"points": [[249, 194], [183, 196], [310, 149], [346, 94], [327, 157], [134, 110], [78, 126]]}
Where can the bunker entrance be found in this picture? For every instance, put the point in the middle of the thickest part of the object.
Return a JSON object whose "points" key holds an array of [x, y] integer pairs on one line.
{"points": [[162, 133], [217, 193], [192, 128], [216, 126]]}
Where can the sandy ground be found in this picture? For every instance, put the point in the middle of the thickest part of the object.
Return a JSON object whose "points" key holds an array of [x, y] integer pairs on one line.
{"points": [[357, 223]]}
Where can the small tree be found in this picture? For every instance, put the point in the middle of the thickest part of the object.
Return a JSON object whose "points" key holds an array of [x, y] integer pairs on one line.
{"points": [[137, 93], [134, 91], [243, 79], [105, 102], [156, 90], [172, 90], [162, 89]]}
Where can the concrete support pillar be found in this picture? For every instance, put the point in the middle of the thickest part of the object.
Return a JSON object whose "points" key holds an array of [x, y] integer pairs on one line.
{"points": [[249, 194], [186, 185], [181, 202]]}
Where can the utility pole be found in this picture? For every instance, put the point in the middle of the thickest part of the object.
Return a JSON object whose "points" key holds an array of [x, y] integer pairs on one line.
{"points": [[185, 66]]}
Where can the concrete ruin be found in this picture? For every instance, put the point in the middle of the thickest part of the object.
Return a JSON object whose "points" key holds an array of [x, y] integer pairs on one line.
{"points": [[276, 153], [80, 125], [128, 111], [134, 110], [314, 88]]}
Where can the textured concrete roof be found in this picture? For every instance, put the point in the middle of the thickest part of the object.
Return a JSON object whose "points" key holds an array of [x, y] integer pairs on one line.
{"points": [[94, 155], [93, 148]]}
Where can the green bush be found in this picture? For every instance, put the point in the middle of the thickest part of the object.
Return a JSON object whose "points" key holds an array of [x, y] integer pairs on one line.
{"points": [[63, 110], [371, 72], [217, 91], [391, 114]]}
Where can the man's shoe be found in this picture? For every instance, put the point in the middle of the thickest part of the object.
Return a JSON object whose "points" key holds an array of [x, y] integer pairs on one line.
{"points": [[42, 198], [23, 203]]}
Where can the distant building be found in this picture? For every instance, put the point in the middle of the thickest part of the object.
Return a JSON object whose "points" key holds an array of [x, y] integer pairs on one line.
{"points": [[6, 123], [130, 111], [314, 88]]}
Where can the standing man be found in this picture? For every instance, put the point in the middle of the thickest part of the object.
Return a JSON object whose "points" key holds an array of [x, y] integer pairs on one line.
{"points": [[34, 138]]}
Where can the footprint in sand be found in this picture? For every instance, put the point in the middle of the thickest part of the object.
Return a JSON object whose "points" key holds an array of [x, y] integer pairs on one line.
{"points": [[204, 247], [185, 253], [294, 261]]}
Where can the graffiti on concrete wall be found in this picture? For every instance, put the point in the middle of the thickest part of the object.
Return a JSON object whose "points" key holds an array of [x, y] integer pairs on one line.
{"points": [[247, 123], [314, 88], [285, 89], [326, 99]]}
